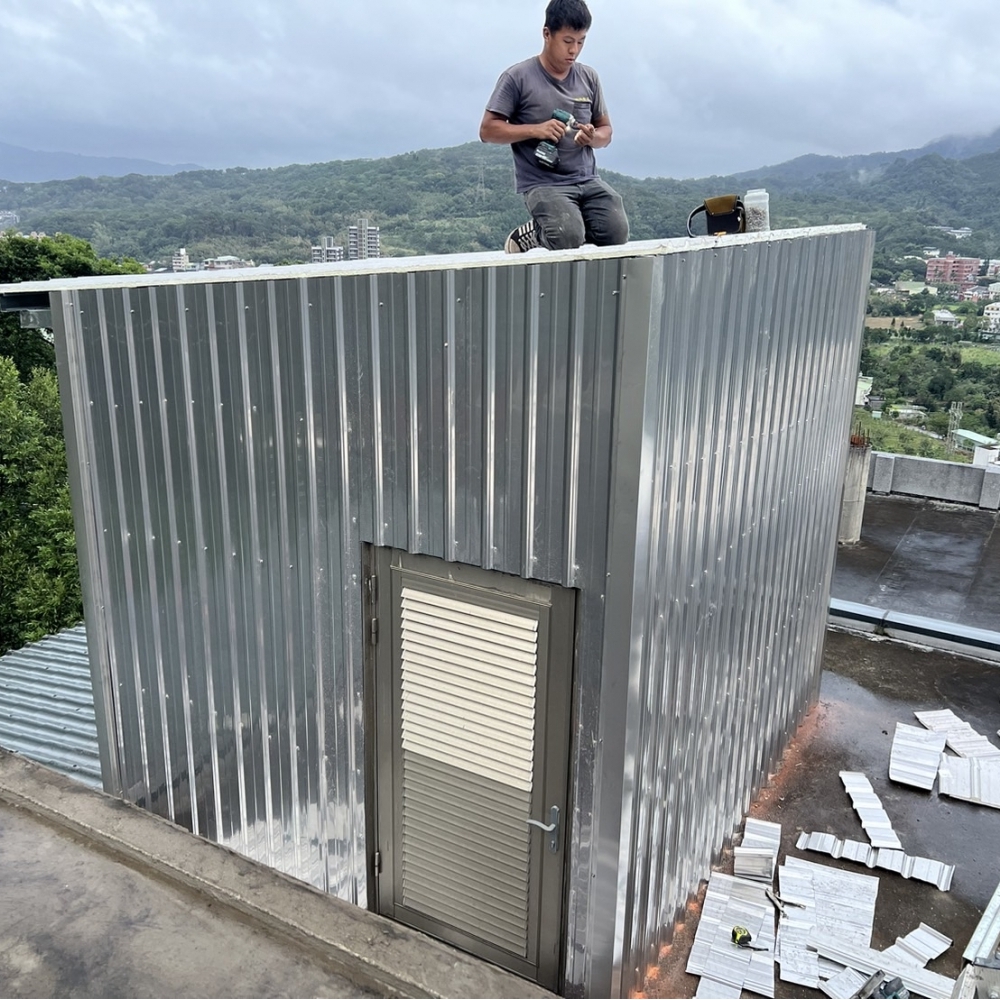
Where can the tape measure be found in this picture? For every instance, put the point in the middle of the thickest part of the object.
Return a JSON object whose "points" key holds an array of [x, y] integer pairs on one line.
{"points": [[742, 938]]}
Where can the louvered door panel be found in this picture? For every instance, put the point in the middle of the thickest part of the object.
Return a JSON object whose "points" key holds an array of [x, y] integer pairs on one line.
{"points": [[470, 681], [468, 677]]}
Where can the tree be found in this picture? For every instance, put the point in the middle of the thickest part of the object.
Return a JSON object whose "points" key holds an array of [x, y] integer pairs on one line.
{"points": [[39, 576], [28, 258]]}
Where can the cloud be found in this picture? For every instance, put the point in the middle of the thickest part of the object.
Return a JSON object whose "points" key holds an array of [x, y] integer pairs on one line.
{"points": [[694, 86]]}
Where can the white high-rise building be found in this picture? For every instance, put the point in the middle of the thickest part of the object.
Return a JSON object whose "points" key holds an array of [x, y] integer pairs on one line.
{"points": [[326, 251], [182, 262], [363, 241]]}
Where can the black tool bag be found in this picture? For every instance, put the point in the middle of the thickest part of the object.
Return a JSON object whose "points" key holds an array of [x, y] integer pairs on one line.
{"points": [[724, 215]]}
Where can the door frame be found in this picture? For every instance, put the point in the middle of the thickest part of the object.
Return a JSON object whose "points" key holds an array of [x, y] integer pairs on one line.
{"points": [[552, 764]]}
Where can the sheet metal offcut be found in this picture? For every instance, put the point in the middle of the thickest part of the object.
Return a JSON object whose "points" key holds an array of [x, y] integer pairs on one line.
{"points": [[919, 947], [730, 901], [922, 869], [961, 737], [844, 985], [915, 756], [972, 779], [834, 902], [868, 806], [757, 855], [916, 979]]}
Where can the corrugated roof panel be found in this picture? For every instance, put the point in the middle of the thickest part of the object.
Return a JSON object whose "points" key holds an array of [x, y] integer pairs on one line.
{"points": [[47, 705]]}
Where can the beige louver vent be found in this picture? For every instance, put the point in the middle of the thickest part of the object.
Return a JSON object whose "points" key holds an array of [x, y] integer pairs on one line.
{"points": [[468, 733]]}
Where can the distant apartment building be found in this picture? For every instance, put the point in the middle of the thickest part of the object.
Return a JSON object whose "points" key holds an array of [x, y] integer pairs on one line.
{"points": [[952, 270], [182, 262], [993, 269], [974, 293], [991, 318], [8, 219], [994, 290], [363, 241], [226, 263], [326, 251]]}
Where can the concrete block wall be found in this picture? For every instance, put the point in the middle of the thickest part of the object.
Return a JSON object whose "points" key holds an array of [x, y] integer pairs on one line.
{"points": [[953, 482]]}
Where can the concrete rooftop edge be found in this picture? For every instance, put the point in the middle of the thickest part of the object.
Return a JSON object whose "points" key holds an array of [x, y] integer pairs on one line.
{"points": [[370, 950], [442, 262]]}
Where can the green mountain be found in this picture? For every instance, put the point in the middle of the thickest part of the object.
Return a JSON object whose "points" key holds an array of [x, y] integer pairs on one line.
{"points": [[866, 166], [462, 199]]}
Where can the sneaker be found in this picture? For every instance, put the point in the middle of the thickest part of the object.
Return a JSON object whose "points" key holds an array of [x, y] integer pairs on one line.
{"points": [[522, 239]]}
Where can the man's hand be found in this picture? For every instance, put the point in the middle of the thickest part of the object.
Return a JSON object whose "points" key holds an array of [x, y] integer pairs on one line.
{"points": [[585, 135], [552, 130]]}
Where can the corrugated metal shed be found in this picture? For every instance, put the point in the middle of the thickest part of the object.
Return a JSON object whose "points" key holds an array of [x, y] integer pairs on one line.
{"points": [[47, 705], [660, 426]]}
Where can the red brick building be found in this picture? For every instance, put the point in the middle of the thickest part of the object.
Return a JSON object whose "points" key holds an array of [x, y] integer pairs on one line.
{"points": [[952, 270]]}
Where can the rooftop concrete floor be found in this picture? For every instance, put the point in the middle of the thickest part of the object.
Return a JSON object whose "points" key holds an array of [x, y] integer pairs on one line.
{"points": [[922, 557], [100, 898], [868, 686], [77, 923]]}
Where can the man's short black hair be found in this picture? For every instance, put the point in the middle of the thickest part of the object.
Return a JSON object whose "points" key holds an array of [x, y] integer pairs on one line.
{"points": [[572, 14]]}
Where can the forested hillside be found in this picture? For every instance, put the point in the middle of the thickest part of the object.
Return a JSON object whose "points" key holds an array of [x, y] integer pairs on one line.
{"points": [[462, 199]]}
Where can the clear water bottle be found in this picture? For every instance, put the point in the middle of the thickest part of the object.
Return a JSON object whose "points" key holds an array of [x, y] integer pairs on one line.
{"points": [[756, 205]]}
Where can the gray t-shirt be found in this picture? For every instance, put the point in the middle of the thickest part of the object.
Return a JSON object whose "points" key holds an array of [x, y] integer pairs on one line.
{"points": [[525, 95]]}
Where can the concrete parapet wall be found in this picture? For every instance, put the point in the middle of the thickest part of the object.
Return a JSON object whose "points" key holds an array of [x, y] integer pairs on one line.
{"points": [[954, 482], [852, 508]]}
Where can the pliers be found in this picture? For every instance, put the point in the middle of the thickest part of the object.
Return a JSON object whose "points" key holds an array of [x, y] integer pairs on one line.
{"points": [[780, 904]]}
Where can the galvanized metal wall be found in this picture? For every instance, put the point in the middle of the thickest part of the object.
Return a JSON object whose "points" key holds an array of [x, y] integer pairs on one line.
{"points": [[234, 445], [749, 385], [661, 427]]}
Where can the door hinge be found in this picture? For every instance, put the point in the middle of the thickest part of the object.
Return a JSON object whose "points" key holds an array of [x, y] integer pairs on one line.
{"points": [[373, 608], [377, 862]]}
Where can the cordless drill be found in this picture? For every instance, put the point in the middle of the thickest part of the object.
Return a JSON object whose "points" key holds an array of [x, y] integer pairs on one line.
{"points": [[546, 152]]}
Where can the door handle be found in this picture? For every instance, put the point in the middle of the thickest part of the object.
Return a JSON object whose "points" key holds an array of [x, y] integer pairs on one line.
{"points": [[552, 828]]}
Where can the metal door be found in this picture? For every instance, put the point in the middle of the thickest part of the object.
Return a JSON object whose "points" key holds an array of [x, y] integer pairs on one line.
{"points": [[471, 674]]}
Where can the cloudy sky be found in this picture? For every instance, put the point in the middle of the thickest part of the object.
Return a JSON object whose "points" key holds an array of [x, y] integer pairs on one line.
{"points": [[695, 87]]}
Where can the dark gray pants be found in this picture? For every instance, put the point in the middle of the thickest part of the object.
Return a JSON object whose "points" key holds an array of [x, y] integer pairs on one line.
{"points": [[569, 215]]}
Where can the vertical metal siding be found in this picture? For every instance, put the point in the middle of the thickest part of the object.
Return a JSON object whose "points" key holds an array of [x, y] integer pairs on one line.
{"points": [[240, 440], [750, 377], [673, 416]]}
